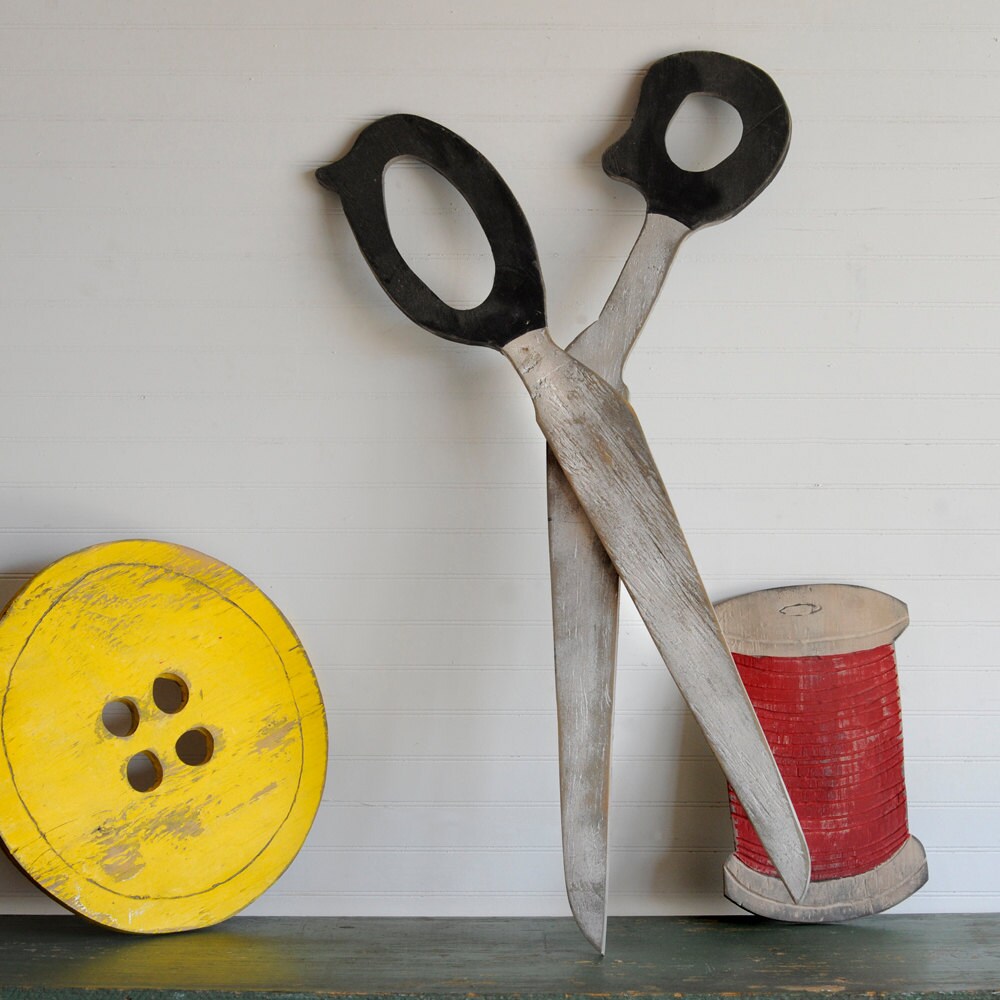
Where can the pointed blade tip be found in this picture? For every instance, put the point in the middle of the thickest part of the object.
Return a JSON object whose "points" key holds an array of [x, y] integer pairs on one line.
{"points": [[593, 926], [796, 871], [596, 941]]}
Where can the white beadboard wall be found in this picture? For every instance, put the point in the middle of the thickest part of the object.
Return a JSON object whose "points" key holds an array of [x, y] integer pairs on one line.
{"points": [[194, 351]]}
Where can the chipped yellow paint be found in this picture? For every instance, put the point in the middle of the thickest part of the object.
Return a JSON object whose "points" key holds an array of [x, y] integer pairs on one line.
{"points": [[100, 626]]}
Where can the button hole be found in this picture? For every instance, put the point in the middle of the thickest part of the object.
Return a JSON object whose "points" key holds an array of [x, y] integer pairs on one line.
{"points": [[144, 771], [120, 717], [195, 747], [170, 693]]}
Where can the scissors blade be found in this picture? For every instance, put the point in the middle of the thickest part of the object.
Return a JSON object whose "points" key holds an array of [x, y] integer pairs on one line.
{"points": [[585, 595], [593, 432], [585, 634], [596, 438]]}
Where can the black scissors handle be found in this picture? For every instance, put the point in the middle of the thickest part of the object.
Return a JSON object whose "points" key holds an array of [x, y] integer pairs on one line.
{"points": [[700, 198], [516, 303]]}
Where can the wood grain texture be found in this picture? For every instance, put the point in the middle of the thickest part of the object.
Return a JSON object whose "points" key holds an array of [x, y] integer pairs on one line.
{"points": [[891, 957], [585, 597], [811, 620], [594, 435], [869, 891], [584, 582], [224, 718], [585, 643]]}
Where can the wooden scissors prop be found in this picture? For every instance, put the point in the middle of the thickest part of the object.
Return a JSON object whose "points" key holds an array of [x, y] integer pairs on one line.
{"points": [[610, 513]]}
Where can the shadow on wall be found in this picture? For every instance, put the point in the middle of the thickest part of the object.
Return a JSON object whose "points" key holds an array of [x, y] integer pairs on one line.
{"points": [[19, 893], [699, 836]]}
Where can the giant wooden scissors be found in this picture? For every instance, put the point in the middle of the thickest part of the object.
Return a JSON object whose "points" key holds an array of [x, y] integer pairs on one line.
{"points": [[609, 512]]}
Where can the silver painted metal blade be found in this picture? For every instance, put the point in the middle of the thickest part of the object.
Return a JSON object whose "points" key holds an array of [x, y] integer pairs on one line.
{"points": [[596, 438], [585, 602], [585, 636], [605, 345]]}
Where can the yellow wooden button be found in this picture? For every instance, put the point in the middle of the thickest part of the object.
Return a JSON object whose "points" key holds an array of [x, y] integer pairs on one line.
{"points": [[164, 741]]}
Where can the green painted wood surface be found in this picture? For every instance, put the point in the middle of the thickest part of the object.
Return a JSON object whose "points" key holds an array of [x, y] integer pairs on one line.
{"points": [[931, 956]]}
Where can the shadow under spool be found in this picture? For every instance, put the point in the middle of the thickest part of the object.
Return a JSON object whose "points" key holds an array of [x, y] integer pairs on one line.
{"points": [[819, 666]]}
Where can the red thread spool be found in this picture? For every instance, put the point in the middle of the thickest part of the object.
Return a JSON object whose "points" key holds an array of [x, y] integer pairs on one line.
{"points": [[819, 666]]}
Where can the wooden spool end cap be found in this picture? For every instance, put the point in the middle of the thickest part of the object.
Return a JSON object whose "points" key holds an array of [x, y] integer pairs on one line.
{"points": [[816, 619], [834, 900]]}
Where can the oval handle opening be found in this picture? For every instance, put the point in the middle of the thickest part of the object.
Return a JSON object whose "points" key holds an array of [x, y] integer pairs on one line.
{"points": [[437, 233], [703, 132]]}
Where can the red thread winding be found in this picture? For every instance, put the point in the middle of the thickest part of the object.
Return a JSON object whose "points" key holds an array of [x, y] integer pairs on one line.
{"points": [[835, 729]]}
